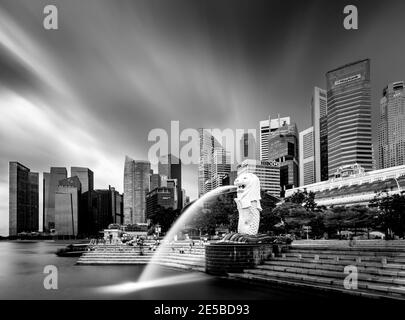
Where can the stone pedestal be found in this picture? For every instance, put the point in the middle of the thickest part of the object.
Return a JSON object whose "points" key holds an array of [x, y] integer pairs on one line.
{"points": [[225, 257]]}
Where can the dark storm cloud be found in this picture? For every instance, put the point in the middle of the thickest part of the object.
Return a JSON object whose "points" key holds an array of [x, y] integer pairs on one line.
{"points": [[89, 93]]}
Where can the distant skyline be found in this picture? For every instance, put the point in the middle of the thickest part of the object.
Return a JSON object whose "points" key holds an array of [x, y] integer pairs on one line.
{"points": [[88, 93]]}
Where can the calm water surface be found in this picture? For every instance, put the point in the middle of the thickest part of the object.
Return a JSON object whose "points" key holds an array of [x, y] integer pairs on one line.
{"points": [[21, 277]]}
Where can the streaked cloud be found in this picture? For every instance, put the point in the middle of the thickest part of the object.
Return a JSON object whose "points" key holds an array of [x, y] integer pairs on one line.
{"points": [[88, 93]]}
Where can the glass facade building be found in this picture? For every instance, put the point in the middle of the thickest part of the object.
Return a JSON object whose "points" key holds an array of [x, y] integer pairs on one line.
{"points": [[283, 148], [136, 186], [349, 116], [307, 156], [23, 199], [267, 172], [50, 185], [391, 137]]}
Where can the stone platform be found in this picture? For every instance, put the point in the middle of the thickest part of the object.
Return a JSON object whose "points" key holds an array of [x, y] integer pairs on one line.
{"points": [[224, 257]]}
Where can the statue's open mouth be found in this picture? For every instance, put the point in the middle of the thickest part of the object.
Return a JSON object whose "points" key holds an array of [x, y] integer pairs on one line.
{"points": [[242, 186]]}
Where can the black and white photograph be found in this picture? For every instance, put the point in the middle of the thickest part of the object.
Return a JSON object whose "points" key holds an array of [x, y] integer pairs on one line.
{"points": [[226, 152]]}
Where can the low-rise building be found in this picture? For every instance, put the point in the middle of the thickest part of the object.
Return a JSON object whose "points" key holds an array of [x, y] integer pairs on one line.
{"points": [[351, 185]]}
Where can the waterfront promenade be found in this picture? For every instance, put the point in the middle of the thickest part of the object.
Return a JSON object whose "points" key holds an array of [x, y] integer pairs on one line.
{"points": [[379, 264]]}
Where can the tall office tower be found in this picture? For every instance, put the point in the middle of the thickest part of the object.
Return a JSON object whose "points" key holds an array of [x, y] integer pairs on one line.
{"points": [[220, 168], [23, 199], [207, 144], [170, 166], [283, 148], [136, 185], [248, 147], [50, 185], [161, 197], [307, 157], [264, 134], [155, 180], [349, 116], [68, 221], [85, 176], [172, 184], [117, 206], [267, 172], [391, 137], [319, 113], [106, 209]]}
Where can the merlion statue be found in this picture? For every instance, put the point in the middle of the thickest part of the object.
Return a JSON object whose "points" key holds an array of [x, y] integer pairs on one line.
{"points": [[248, 203]]}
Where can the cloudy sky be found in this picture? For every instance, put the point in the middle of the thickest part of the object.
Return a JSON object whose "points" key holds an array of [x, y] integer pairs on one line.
{"points": [[88, 93]]}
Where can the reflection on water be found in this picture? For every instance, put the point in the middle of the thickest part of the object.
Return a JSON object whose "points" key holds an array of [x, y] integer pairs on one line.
{"points": [[21, 277]]}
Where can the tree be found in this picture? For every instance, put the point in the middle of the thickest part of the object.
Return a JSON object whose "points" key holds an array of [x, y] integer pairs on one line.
{"points": [[307, 200], [267, 217], [391, 217], [335, 219], [355, 217], [293, 215], [220, 211], [165, 217]]}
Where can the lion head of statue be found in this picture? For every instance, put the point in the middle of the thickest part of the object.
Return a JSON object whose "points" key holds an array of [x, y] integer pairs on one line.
{"points": [[248, 188]]}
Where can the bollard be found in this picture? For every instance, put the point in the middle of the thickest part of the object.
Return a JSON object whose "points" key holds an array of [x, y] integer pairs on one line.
{"points": [[316, 257], [384, 261]]}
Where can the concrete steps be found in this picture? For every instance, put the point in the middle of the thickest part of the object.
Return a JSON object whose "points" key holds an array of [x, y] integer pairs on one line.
{"points": [[176, 255], [381, 270]]}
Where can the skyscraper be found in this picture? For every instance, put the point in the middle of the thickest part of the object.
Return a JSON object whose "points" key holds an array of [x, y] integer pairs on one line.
{"points": [[319, 112], [220, 167], [267, 172], [248, 147], [23, 199], [307, 157], [136, 185], [214, 163], [170, 166], [349, 116], [106, 208], [264, 134], [207, 144], [117, 205], [283, 148], [161, 197], [50, 185], [155, 181], [85, 176], [68, 221], [172, 184], [391, 136]]}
